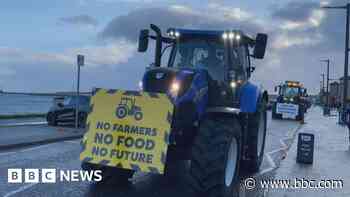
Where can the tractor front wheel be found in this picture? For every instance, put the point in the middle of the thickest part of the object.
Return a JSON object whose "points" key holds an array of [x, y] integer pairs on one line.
{"points": [[216, 155], [138, 115], [256, 134]]}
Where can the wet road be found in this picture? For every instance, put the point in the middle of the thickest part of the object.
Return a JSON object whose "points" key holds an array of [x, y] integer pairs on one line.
{"points": [[65, 155]]}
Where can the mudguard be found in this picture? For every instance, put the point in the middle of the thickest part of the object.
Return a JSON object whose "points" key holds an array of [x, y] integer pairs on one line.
{"points": [[249, 96], [197, 93]]}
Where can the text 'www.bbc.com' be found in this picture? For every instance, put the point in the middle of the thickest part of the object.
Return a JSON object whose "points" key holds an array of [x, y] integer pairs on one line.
{"points": [[297, 183]]}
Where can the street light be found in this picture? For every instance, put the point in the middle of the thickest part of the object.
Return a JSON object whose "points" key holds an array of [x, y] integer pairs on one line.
{"points": [[327, 82], [347, 8], [80, 62], [322, 82]]}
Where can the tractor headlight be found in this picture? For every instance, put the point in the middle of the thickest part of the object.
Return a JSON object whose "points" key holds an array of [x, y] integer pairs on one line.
{"points": [[291, 99], [231, 35], [238, 37], [233, 84], [174, 88], [175, 34]]}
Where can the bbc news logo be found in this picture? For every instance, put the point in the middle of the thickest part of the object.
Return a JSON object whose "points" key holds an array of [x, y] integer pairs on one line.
{"points": [[52, 175]]}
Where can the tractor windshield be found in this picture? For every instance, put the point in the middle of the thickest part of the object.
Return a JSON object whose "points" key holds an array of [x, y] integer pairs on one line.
{"points": [[202, 54], [290, 91]]}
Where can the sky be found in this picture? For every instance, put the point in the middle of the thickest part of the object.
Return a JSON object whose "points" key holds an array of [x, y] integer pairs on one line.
{"points": [[39, 39]]}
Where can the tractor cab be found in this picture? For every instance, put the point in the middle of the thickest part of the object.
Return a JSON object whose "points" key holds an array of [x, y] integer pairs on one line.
{"points": [[222, 57], [291, 91], [129, 102]]}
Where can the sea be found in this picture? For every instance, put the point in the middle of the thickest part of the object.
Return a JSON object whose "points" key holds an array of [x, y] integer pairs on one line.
{"points": [[12, 104]]}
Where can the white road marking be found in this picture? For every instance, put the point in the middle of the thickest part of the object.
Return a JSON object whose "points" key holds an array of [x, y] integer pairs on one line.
{"points": [[36, 148], [20, 189], [23, 124], [73, 141], [268, 156]]}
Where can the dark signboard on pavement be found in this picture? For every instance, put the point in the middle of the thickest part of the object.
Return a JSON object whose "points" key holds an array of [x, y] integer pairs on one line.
{"points": [[305, 152]]}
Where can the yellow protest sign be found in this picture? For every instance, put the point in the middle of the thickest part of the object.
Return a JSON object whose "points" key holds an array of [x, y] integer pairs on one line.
{"points": [[128, 129]]}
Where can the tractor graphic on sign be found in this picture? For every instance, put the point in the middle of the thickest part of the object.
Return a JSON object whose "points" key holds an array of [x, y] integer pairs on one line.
{"points": [[127, 107]]}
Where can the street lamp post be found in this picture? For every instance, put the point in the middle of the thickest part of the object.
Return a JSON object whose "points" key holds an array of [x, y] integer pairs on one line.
{"points": [[345, 80], [327, 83], [322, 90], [80, 62], [322, 82]]}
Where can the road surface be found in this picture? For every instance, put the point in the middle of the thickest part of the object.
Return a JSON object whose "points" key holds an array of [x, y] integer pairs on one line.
{"points": [[65, 156]]}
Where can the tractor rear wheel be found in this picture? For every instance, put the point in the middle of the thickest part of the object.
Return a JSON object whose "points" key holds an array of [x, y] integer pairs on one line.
{"points": [[121, 112], [216, 155]]}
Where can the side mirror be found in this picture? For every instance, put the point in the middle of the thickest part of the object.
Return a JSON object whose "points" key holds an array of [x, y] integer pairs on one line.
{"points": [[260, 46], [143, 40], [275, 88]]}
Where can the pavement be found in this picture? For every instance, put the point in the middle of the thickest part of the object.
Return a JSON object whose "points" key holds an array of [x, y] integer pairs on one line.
{"points": [[331, 161], [64, 155], [27, 135]]}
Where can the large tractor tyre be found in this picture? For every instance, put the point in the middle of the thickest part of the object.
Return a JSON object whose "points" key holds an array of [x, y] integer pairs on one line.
{"points": [[51, 119], [120, 176], [274, 115], [256, 134], [216, 155], [82, 119], [121, 112], [300, 115]]}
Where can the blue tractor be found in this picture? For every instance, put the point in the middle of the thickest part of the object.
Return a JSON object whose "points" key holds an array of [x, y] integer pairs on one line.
{"points": [[291, 101], [219, 121]]}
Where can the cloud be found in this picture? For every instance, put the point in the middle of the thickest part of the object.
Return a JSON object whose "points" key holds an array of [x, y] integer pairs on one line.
{"points": [[108, 54], [78, 20], [295, 11], [211, 17], [305, 24]]}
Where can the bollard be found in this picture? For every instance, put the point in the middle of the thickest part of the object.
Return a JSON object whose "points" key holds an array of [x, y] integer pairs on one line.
{"points": [[305, 150]]}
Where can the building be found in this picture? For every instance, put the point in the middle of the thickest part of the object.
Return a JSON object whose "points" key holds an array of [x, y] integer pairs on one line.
{"points": [[334, 95], [341, 89]]}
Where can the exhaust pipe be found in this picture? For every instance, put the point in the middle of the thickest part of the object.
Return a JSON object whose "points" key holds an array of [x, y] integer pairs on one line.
{"points": [[158, 55]]}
